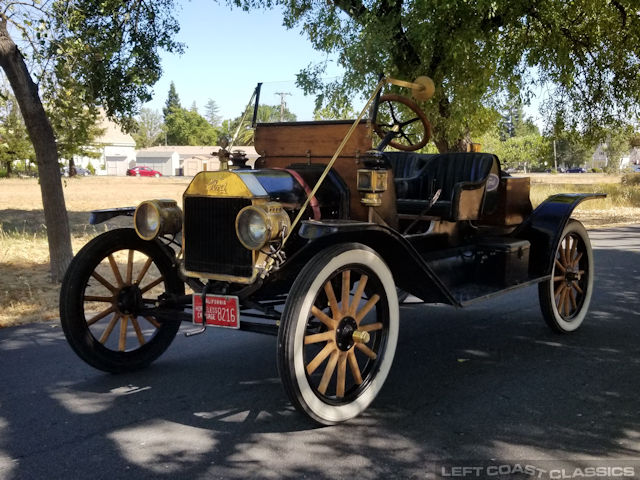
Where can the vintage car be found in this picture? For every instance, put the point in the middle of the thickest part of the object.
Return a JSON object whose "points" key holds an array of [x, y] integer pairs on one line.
{"points": [[318, 244]]}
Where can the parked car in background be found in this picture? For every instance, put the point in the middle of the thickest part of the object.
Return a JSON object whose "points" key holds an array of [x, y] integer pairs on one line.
{"points": [[576, 170], [80, 171], [143, 172]]}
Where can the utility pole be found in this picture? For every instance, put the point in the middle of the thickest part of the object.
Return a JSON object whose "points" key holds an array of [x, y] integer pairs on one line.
{"points": [[283, 103]]}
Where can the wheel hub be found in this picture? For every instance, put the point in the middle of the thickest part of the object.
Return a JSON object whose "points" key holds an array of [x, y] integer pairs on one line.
{"points": [[572, 274], [129, 300], [344, 333]]}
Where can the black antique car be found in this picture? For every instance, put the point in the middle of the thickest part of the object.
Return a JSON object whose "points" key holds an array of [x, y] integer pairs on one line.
{"points": [[318, 244]]}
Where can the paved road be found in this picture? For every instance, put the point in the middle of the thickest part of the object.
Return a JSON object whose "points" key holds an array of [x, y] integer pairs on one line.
{"points": [[489, 384]]}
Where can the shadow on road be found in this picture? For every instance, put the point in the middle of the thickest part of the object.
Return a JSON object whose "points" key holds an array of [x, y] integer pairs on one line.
{"points": [[490, 382]]}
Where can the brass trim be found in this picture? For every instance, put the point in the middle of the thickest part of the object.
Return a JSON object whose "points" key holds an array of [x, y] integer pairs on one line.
{"points": [[224, 278], [360, 336]]}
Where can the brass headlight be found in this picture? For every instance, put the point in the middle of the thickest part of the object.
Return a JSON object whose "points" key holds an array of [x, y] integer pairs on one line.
{"points": [[157, 217], [257, 225]]}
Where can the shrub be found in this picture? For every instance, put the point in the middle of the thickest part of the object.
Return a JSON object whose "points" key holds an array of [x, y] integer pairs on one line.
{"points": [[91, 168], [630, 179], [3, 174]]}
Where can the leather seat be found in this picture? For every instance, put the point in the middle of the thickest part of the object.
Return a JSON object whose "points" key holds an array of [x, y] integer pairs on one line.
{"points": [[460, 177]]}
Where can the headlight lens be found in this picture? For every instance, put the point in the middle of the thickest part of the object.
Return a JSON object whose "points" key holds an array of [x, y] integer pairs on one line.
{"points": [[257, 225], [252, 229], [156, 217]]}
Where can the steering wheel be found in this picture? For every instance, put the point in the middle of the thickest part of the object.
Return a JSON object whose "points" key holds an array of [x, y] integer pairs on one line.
{"points": [[396, 129]]}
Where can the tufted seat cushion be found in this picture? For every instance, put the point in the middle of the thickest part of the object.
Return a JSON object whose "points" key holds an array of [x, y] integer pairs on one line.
{"points": [[460, 177]]}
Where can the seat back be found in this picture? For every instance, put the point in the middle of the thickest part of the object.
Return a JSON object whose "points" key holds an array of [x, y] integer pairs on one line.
{"points": [[416, 174], [450, 169], [460, 177]]}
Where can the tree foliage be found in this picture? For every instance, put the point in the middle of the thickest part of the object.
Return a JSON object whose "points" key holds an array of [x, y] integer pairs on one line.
{"points": [[212, 113], [617, 143], [111, 49], [172, 102], [149, 129], [528, 150], [478, 52], [115, 48], [75, 120], [14, 141], [188, 127], [266, 114]]}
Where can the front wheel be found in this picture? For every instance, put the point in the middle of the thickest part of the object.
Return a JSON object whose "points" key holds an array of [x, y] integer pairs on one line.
{"points": [[338, 334], [565, 297], [103, 298]]}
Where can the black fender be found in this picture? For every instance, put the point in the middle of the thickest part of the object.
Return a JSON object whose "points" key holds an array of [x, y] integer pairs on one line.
{"points": [[99, 216], [543, 228], [410, 271]]}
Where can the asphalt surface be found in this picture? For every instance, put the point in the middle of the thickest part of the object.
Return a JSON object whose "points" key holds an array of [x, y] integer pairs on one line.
{"points": [[488, 388]]}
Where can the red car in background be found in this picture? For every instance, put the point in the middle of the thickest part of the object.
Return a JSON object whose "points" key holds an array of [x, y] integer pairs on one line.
{"points": [[143, 172]]}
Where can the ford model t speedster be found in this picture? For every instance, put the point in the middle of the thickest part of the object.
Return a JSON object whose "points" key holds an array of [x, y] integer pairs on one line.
{"points": [[316, 244]]}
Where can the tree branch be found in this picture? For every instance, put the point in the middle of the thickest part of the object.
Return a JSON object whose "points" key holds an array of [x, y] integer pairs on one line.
{"points": [[622, 10], [353, 8]]}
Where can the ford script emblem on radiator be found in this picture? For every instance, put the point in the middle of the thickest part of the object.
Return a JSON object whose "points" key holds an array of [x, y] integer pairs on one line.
{"points": [[216, 186]]}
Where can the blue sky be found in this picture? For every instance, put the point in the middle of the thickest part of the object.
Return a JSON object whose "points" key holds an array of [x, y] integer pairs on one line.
{"points": [[227, 52]]}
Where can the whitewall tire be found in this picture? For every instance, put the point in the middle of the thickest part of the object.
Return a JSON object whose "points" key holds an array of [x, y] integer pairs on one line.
{"points": [[338, 333]]}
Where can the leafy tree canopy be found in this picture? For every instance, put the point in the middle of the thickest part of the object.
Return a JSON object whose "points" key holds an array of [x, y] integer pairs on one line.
{"points": [[73, 117], [149, 129], [114, 47], [188, 127], [266, 114], [528, 150], [14, 141], [111, 51], [173, 100], [212, 113], [479, 52]]}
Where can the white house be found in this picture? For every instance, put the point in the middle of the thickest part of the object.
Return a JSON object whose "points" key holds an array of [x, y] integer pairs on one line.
{"points": [[117, 150]]}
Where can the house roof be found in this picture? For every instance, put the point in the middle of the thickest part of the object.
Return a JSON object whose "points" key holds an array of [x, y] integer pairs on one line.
{"points": [[154, 154], [113, 134]]}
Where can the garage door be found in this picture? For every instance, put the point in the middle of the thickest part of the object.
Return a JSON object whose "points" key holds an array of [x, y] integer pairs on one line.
{"points": [[161, 165]]}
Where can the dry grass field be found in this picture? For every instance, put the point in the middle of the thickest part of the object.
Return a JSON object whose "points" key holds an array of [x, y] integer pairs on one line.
{"points": [[572, 178], [27, 295]]}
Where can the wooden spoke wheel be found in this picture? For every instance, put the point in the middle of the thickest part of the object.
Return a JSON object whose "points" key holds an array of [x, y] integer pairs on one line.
{"points": [[104, 293], [338, 333], [409, 134], [565, 298]]}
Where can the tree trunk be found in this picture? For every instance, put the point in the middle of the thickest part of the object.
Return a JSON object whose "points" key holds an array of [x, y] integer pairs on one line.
{"points": [[44, 143]]}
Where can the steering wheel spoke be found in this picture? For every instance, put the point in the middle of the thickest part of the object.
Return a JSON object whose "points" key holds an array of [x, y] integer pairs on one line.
{"points": [[396, 128]]}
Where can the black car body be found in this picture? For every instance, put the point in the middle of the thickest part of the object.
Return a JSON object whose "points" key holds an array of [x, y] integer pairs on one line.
{"points": [[317, 245]]}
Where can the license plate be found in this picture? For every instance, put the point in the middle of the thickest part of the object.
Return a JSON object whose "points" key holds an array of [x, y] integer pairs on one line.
{"points": [[222, 311]]}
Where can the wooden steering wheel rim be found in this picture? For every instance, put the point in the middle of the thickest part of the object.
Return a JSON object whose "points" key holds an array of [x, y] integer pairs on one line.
{"points": [[413, 106]]}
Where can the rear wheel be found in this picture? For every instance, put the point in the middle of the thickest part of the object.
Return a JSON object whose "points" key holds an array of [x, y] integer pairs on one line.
{"points": [[338, 334], [103, 295], [565, 298]]}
